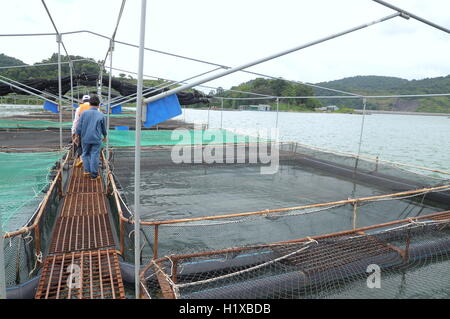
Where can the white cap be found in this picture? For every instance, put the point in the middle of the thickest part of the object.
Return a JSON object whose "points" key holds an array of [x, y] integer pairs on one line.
{"points": [[86, 98]]}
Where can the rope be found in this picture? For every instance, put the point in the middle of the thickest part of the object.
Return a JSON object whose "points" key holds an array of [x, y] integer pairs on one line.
{"points": [[178, 286], [28, 236], [169, 280], [39, 259]]}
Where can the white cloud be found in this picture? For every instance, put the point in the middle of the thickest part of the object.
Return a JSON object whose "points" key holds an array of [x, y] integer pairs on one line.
{"points": [[234, 32]]}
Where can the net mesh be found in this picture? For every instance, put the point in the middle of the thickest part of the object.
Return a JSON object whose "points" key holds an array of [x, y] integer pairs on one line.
{"points": [[22, 259], [407, 259], [185, 136], [40, 124], [305, 177], [24, 179]]}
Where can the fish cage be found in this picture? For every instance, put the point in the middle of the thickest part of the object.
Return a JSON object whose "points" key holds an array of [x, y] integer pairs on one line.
{"points": [[205, 207], [406, 258]]}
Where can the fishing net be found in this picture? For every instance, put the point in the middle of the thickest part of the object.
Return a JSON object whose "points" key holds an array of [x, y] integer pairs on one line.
{"points": [[28, 206], [24, 179], [40, 124], [120, 138], [308, 195], [402, 259], [22, 259]]}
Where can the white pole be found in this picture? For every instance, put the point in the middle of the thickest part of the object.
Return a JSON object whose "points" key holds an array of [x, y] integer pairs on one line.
{"points": [[221, 114], [58, 39], [71, 89], [111, 49], [100, 84], [60, 108], [278, 107], [137, 157], [2, 263], [361, 131]]}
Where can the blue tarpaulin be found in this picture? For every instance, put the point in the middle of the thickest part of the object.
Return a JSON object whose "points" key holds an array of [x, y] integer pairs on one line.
{"points": [[162, 110], [115, 109], [51, 107]]}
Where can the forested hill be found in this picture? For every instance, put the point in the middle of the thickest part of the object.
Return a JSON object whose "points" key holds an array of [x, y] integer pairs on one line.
{"points": [[382, 85], [366, 85], [45, 71]]}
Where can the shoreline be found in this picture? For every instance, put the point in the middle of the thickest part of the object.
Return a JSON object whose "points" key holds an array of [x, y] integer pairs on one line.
{"points": [[355, 111]]}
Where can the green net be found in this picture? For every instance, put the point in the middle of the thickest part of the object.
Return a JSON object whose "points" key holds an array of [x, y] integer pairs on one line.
{"points": [[24, 178], [163, 137], [33, 124]]}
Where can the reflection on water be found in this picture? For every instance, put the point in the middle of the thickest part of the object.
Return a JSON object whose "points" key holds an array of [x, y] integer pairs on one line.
{"points": [[413, 139], [18, 109]]}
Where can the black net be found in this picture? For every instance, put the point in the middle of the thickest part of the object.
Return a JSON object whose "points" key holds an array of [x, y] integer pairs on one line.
{"points": [[305, 177], [406, 259]]}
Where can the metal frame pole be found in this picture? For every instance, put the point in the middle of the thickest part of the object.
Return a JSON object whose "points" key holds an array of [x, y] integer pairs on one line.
{"points": [[407, 15], [59, 40], [278, 107], [100, 84], [2, 263], [221, 114], [71, 88], [209, 109], [137, 157], [361, 132], [111, 49]]}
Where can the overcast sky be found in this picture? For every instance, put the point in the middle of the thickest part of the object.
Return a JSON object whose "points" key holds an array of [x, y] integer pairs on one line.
{"points": [[234, 32]]}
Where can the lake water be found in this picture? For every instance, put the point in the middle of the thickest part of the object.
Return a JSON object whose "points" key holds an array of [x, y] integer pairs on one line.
{"points": [[18, 109], [411, 139]]}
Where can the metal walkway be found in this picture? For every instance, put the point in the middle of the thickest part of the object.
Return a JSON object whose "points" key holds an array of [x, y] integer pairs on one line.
{"points": [[82, 262]]}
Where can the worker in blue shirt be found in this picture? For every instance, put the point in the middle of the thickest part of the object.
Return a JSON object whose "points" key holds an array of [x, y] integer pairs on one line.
{"points": [[91, 127]]}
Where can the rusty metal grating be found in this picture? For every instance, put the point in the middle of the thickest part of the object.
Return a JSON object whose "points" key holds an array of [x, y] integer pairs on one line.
{"points": [[81, 233], [80, 183], [98, 275], [334, 253], [84, 204]]}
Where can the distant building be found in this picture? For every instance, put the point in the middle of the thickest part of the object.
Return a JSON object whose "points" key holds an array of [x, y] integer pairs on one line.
{"points": [[328, 108], [259, 107], [332, 108]]}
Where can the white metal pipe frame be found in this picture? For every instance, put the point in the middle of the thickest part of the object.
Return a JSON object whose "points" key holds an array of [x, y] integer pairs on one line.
{"points": [[137, 157]]}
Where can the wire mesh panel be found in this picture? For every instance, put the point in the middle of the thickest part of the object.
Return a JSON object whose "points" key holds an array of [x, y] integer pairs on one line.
{"points": [[407, 259], [84, 275], [81, 233]]}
